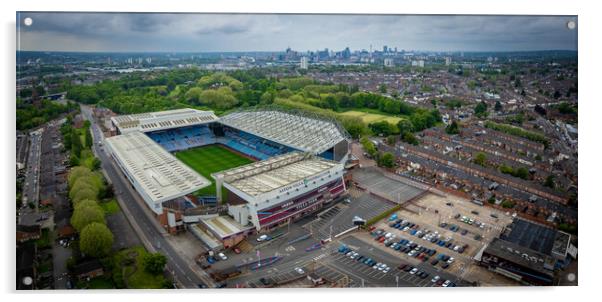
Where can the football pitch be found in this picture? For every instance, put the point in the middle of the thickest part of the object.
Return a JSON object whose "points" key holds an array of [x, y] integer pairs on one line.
{"points": [[211, 159]]}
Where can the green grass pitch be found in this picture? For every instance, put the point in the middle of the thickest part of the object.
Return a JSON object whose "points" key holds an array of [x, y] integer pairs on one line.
{"points": [[211, 159]]}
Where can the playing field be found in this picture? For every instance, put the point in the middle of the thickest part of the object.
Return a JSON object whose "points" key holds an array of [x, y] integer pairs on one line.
{"points": [[372, 117], [211, 159]]}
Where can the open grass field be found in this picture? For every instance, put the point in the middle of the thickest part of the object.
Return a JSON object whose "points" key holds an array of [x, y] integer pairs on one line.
{"points": [[211, 159], [368, 117]]}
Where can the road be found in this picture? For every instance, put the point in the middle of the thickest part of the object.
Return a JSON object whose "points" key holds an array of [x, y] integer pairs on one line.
{"points": [[187, 274], [31, 188]]}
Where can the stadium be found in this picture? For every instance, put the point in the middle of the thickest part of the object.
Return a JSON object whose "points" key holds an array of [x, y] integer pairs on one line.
{"points": [[258, 169]]}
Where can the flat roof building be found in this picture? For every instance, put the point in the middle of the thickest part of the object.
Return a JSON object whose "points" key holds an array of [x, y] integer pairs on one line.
{"points": [[162, 120], [519, 263], [157, 175], [283, 187]]}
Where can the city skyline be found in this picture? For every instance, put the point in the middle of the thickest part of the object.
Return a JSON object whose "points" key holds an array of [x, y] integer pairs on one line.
{"points": [[175, 32]]}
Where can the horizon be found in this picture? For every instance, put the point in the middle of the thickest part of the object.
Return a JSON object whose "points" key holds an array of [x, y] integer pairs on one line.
{"points": [[91, 32]]}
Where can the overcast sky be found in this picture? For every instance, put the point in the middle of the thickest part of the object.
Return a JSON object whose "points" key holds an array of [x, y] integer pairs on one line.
{"points": [[232, 32]]}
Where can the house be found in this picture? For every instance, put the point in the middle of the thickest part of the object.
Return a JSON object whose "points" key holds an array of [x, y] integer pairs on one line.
{"points": [[28, 232], [88, 270]]}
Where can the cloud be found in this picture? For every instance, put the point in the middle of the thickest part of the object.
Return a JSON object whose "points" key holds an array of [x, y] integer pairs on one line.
{"points": [[271, 32]]}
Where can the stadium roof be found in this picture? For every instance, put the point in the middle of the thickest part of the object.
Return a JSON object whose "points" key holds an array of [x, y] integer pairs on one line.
{"points": [[274, 173], [153, 121], [159, 174], [297, 131]]}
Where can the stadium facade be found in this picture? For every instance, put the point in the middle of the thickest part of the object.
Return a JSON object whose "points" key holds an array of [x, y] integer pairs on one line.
{"points": [[299, 164]]}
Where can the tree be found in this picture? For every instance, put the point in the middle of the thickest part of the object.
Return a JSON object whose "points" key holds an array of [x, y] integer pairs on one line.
{"points": [[480, 159], [368, 146], [82, 194], [453, 128], [382, 88], [88, 138], [83, 183], [498, 106], [550, 181], [95, 240], [154, 263], [382, 127], [85, 215], [391, 140], [387, 160], [76, 173], [404, 125], [409, 138], [480, 110]]}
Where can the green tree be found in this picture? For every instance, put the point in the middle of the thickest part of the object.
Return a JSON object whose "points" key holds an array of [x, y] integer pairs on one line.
{"points": [[154, 263], [368, 146], [480, 159], [404, 125], [387, 160], [95, 240], [382, 88], [88, 138], [480, 110], [391, 139], [549, 182], [82, 194], [409, 138], [453, 128], [498, 106], [85, 215]]}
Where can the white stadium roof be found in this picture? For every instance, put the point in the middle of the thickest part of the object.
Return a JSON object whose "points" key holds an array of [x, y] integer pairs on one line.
{"points": [[155, 172], [153, 121], [300, 132], [274, 173]]}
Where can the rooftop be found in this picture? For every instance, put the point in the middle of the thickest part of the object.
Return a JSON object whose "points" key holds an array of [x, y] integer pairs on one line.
{"points": [[531, 235], [309, 134], [159, 174], [521, 255], [153, 121], [274, 173]]}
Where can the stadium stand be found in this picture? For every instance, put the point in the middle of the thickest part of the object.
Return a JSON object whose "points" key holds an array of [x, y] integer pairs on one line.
{"points": [[183, 138]]}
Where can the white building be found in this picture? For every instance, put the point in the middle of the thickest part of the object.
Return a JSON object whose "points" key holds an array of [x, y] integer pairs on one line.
{"points": [[448, 61], [285, 187], [156, 174], [304, 63], [389, 62]]}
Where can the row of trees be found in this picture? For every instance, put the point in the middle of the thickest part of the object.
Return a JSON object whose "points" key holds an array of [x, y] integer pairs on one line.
{"points": [[516, 131], [86, 188]]}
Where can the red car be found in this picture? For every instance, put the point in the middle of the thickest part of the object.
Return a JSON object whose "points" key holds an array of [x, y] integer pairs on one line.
{"points": [[382, 239], [236, 250], [372, 228]]}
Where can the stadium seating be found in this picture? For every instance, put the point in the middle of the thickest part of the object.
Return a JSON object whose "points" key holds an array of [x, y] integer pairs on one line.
{"points": [[252, 145], [183, 138]]}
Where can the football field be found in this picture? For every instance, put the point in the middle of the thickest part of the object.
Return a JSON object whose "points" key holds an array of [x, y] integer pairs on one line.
{"points": [[211, 159]]}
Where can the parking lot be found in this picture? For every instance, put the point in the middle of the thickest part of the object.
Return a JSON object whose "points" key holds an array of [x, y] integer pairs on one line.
{"points": [[375, 181], [369, 276], [451, 226], [340, 216]]}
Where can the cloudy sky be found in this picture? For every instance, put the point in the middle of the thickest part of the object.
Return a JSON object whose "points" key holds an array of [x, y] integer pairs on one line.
{"points": [[240, 32]]}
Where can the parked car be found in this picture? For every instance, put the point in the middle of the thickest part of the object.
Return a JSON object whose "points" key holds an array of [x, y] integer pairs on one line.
{"points": [[435, 279], [263, 238], [414, 271], [299, 270], [222, 256], [236, 250]]}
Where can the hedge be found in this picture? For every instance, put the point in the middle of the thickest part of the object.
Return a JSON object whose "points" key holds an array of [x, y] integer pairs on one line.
{"points": [[382, 215]]}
